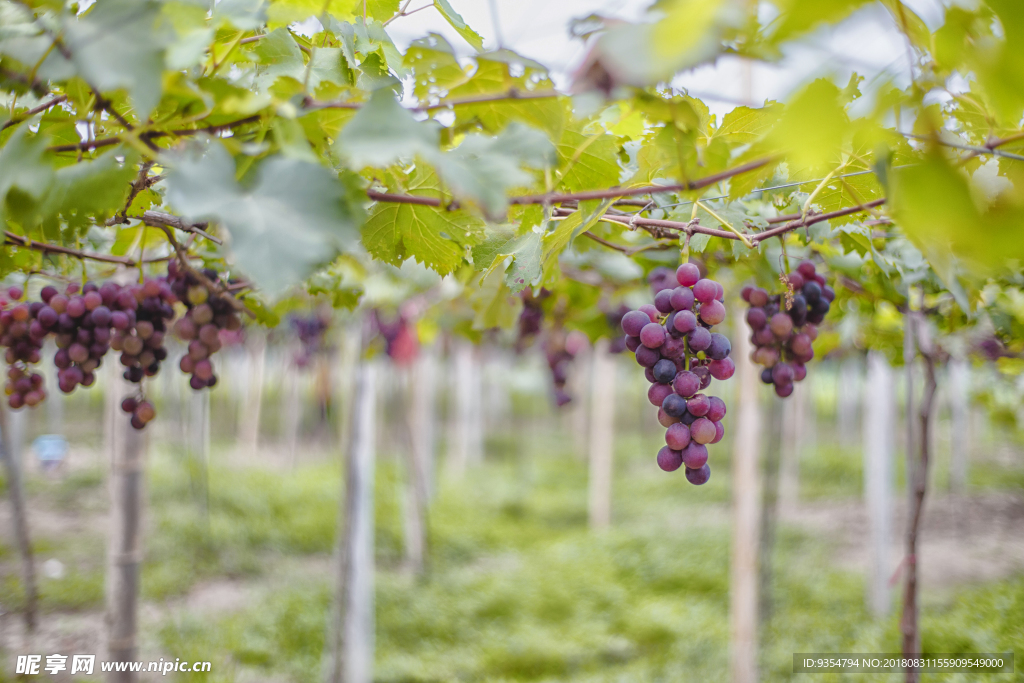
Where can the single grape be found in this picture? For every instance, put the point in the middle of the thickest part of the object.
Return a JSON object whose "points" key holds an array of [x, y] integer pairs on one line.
{"points": [[758, 297], [799, 371], [712, 312], [674, 405], [766, 376], [645, 356], [719, 348], [632, 343], [678, 436], [698, 477], [652, 313], [666, 420], [699, 339], [781, 325], [698, 405], [669, 459], [806, 268], [663, 301], [716, 409], [783, 390], [632, 323], [702, 430], [684, 321], [722, 369], [719, 432], [652, 335], [657, 393], [682, 298], [687, 275], [695, 455], [796, 281], [664, 371], [686, 383], [705, 291]]}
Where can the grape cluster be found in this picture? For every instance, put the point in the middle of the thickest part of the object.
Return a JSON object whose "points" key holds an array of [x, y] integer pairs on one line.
{"points": [[784, 326], [207, 313], [560, 349], [401, 340], [673, 341], [311, 332], [22, 332], [83, 336]]}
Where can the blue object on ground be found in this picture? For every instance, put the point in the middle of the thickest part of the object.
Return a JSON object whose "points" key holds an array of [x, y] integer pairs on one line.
{"points": [[51, 450]]}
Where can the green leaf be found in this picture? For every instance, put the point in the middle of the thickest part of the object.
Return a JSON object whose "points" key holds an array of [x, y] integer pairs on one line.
{"points": [[567, 230], [295, 216], [383, 132], [116, 45], [744, 125], [91, 191], [435, 236], [587, 161], [482, 169], [22, 166], [460, 26], [812, 129], [279, 55], [434, 67]]}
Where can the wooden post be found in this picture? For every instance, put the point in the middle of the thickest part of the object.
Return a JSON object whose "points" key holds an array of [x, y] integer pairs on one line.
{"points": [[416, 495], [579, 408], [291, 408], [746, 494], [19, 516], [256, 362], [879, 438], [199, 444], [959, 423], [351, 632], [124, 555], [602, 435], [776, 437]]}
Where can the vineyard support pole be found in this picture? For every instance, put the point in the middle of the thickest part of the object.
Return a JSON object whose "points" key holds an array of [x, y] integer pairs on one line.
{"points": [[602, 436], [879, 436], [746, 494], [466, 429], [424, 412], [19, 516], [256, 361], [795, 428], [909, 623], [351, 628], [416, 494], [960, 424], [125, 549]]}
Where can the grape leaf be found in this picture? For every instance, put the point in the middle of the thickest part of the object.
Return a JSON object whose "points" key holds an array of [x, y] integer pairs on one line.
{"points": [[383, 132], [587, 161], [294, 217], [460, 26]]}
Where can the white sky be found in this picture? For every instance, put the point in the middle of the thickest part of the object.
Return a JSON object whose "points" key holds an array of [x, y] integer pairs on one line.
{"points": [[867, 43]]}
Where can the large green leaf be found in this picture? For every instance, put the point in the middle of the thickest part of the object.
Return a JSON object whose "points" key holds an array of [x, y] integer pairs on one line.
{"points": [[383, 132], [435, 236], [295, 217], [117, 45], [587, 162], [482, 169]]}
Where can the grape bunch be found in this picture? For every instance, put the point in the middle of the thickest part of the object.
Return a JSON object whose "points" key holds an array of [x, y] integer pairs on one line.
{"points": [[784, 326], [22, 332], [673, 342], [207, 313], [311, 332], [82, 332], [401, 340], [560, 348]]}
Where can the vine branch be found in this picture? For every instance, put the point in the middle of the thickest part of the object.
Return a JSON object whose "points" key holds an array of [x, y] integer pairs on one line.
{"points": [[33, 111], [146, 136]]}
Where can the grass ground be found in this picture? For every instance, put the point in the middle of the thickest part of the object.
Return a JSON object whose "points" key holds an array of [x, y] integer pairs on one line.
{"points": [[517, 589]]}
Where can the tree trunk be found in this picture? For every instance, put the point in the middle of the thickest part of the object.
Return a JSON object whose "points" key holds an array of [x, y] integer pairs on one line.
{"points": [[125, 549], [879, 437], [602, 436], [909, 621], [256, 361], [12, 466], [960, 424], [351, 632], [746, 494]]}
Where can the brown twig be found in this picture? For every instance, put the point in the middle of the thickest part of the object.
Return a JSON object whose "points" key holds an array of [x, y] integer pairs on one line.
{"points": [[21, 241], [511, 94], [152, 135], [817, 218], [33, 111], [159, 219]]}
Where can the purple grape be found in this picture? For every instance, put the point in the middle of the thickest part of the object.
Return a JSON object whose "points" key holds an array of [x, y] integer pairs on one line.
{"points": [[716, 409], [657, 394], [702, 430], [687, 275], [674, 405], [686, 384], [684, 321], [782, 373], [632, 343], [722, 369], [633, 322], [669, 459], [647, 357], [719, 432], [652, 335], [783, 390], [699, 339], [705, 291], [682, 298], [664, 371], [673, 348], [699, 405], [695, 455], [663, 301], [719, 348], [698, 477], [712, 312], [678, 436], [756, 318]]}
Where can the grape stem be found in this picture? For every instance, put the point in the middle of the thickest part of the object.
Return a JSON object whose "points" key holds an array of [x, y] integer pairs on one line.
{"points": [[183, 259]]}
